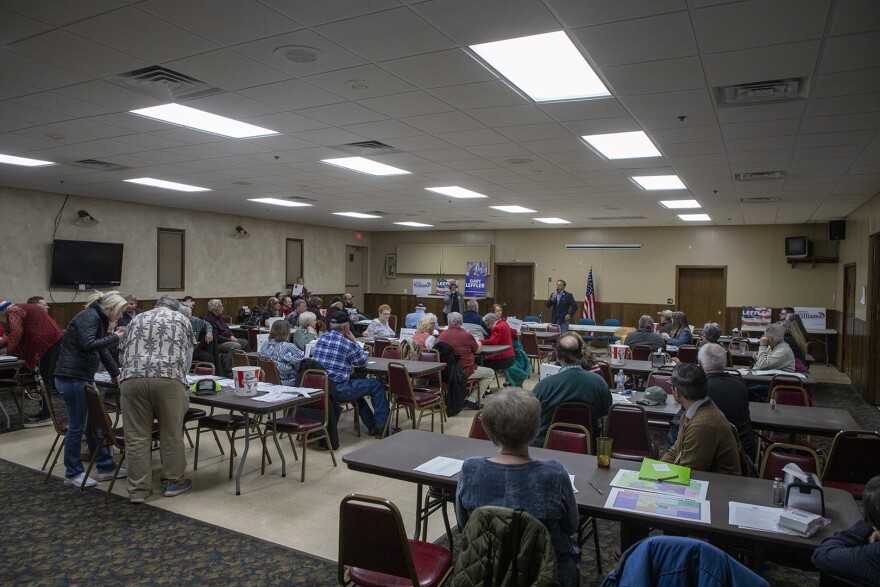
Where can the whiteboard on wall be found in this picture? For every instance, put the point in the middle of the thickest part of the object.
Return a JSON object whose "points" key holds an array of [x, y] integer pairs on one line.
{"points": [[419, 259], [456, 257]]}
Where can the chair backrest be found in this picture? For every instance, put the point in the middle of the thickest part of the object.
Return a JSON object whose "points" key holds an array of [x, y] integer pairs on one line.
{"points": [[786, 380], [789, 395], [530, 319], [568, 438], [316, 379], [399, 382], [270, 369], [477, 431], [47, 401], [554, 328], [627, 425], [226, 318], [587, 322], [529, 341], [746, 466], [391, 352], [605, 371], [729, 358], [240, 358], [854, 457], [252, 338], [392, 322], [431, 356], [384, 549], [578, 413], [687, 353], [660, 379], [741, 345], [99, 420], [379, 346], [611, 322], [201, 368], [641, 352], [780, 454], [733, 372]]}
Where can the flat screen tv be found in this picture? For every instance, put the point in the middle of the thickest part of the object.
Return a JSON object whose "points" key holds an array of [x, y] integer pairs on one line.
{"points": [[85, 264], [797, 247]]}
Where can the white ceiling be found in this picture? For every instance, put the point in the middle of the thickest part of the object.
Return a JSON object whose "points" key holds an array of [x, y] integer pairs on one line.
{"points": [[451, 121]]}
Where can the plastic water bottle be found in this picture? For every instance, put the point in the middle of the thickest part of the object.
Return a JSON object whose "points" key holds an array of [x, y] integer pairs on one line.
{"points": [[778, 491], [621, 383]]}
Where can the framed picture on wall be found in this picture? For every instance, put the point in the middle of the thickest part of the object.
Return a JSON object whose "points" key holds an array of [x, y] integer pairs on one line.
{"points": [[391, 266]]}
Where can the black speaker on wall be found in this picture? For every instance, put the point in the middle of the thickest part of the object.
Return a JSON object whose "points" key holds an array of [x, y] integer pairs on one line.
{"points": [[837, 230]]}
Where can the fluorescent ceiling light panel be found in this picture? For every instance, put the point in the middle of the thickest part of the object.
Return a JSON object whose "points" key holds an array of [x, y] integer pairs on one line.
{"points": [[356, 215], [623, 145], [512, 209], [414, 224], [279, 202], [695, 217], [552, 220], [679, 204], [168, 185], [364, 166], [598, 246], [546, 67], [454, 191], [23, 161], [659, 182], [204, 121]]}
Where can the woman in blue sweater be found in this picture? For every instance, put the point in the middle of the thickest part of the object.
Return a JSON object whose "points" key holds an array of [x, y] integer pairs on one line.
{"points": [[681, 332]]}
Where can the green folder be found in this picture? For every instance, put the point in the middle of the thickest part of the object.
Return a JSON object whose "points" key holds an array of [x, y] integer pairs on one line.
{"points": [[659, 471]]}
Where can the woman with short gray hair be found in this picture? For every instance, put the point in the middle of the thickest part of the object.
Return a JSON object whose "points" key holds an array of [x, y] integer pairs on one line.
{"points": [[512, 479], [307, 331]]}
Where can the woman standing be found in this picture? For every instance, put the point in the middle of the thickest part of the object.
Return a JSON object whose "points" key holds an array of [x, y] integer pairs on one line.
{"points": [[287, 356], [85, 344]]}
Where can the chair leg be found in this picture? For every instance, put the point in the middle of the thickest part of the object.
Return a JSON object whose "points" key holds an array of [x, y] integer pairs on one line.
{"points": [[302, 476], [91, 464], [115, 475], [196, 455], [51, 450], [596, 546], [188, 437], [293, 447], [54, 461], [231, 437]]}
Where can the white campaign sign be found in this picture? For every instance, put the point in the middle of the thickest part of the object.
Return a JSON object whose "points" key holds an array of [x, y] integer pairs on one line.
{"points": [[813, 318]]}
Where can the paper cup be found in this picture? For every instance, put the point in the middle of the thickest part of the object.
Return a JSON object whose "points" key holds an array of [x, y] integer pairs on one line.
{"points": [[246, 380], [617, 354], [656, 326]]}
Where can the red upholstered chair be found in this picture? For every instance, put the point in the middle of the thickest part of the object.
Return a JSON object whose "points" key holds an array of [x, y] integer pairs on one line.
{"points": [[605, 371], [240, 358], [308, 429], [568, 438], [687, 353], [777, 455], [627, 426], [379, 346], [577, 413], [432, 382], [529, 341], [477, 430], [792, 380], [59, 424], [854, 459], [201, 368], [384, 556], [252, 338], [392, 322], [739, 345], [402, 395], [270, 369], [391, 352], [641, 352], [660, 379], [790, 395]]}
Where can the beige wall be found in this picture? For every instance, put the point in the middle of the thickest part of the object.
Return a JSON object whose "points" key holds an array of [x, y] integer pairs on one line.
{"points": [[861, 224], [216, 263], [757, 272]]}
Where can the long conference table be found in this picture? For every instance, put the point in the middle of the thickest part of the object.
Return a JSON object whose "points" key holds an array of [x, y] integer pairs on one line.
{"points": [[397, 457], [642, 368]]}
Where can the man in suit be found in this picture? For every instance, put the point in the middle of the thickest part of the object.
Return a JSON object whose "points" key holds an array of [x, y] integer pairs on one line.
{"points": [[563, 304]]}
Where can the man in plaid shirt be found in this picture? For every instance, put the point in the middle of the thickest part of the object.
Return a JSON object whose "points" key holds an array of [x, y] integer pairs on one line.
{"points": [[338, 352]]}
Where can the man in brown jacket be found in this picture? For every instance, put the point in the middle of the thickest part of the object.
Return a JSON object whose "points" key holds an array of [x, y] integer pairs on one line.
{"points": [[706, 441]]}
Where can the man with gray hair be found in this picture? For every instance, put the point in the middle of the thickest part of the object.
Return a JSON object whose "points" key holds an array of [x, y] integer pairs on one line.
{"points": [[155, 360], [204, 345], [226, 341], [466, 346], [665, 322], [645, 335], [774, 353], [729, 393], [131, 310], [711, 332]]}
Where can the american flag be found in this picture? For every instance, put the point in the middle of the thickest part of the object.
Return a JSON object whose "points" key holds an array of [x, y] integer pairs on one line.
{"points": [[590, 298]]}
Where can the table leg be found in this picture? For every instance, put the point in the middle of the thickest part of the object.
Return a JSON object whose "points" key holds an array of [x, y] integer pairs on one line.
{"points": [[826, 349], [419, 489], [247, 445]]}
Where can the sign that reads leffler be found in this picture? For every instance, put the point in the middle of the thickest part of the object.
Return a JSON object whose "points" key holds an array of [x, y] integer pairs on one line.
{"points": [[475, 286], [756, 315]]}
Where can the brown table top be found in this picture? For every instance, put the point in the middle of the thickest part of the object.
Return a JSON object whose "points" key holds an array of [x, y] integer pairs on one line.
{"points": [[398, 455], [415, 368], [494, 349], [644, 368], [226, 399]]}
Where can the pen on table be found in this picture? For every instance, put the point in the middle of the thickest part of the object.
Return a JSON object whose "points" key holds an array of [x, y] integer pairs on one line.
{"points": [[596, 488]]}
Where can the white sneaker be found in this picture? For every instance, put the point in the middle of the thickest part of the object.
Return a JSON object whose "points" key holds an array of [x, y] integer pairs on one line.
{"points": [[123, 473], [77, 481]]}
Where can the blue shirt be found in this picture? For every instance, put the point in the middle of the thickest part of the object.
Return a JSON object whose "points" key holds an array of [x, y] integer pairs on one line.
{"points": [[412, 319], [338, 354], [287, 357]]}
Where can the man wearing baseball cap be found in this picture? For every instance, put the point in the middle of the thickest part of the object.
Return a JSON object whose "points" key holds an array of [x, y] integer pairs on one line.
{"points": [[412, 319]]}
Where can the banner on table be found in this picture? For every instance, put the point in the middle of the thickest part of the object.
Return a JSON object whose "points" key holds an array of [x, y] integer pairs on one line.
{"points": [[756, 316], [475, 286], [813, 318], [422, 287]]}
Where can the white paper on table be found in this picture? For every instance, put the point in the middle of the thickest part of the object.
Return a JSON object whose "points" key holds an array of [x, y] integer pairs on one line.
{"points": [[443, 466], [226, 382], [196, 378], [571, 477], [629, 479], [271, 397], [778, 372], [304, 391], [756, 517], [616, 398], [659, 505], [103, 377]]}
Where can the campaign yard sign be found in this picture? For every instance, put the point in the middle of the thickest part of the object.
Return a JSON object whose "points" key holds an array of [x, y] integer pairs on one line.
{"points": [[442, 286], [756, 316], [422, 287], [813, 318], [475, 286]]}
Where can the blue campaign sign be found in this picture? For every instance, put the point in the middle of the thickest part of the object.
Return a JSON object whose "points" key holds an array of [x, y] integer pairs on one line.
{"points": [[475, 286]]}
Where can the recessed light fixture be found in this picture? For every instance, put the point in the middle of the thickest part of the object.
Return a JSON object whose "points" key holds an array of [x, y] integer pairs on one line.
{"points": [[659, 182], [278, 202], [679, 204], [512, 209], [356, 215], [454, 191], [364, 166], [204, 121], [623, 145], [599, 246], [546, 67], [695, 217], [168, 185], [552, 220], [23, 161], [414, 224]]}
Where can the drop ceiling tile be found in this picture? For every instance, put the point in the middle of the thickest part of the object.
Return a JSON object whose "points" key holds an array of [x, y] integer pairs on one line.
{"points": [[855, 16], [441, 68], [577, 13], [279, 143], [826, 152], [407, 104], [554, 145], [765, 160], [699, 159], [844, 105], [32, 115], [14, 27], [329, 137], [499, 150], [470, 23], [291, 95], [831, 139], [761, 64], [767, 128], [479, 95], [313, 13], [386, 35], [698, 148], [668, 36], [11, 89], [383, 129], [694, 134], [135, 32], [468, 138], [846, 82], [443, 122], [286, 122], [54, 102], [378, 81], [758, 112], [658, 111], [655, 76], [509, 115], [233, 105], [61, 12], [79, 54], [226, 69], [107, 95], [760, 144], [851, 52], [272, 52], [602, 126], [585, 109]]}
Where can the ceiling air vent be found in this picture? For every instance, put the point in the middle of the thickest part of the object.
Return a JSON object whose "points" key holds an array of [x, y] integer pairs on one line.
{"points": [[99, 165], [366, 148], [163, 83], [780, 90], [760, 175], [760, 200]]}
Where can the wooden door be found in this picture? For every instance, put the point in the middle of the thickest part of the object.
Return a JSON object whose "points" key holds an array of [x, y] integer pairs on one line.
{"points": [[355, 275], [847, 334], [514, 288], [701, 293]]}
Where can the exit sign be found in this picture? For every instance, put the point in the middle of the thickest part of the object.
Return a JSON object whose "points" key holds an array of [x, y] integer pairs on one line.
{"points": [[357, 236]]}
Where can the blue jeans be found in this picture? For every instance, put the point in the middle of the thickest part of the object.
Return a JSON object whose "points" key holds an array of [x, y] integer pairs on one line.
{"points": [[356, 389], [74, 395]]}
